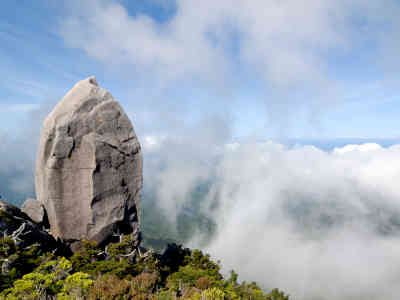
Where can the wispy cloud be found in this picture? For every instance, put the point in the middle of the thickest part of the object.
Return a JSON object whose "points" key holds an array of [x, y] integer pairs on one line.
{"points": [[17, 108], [28, 87], [296, 58], [287, 41]]}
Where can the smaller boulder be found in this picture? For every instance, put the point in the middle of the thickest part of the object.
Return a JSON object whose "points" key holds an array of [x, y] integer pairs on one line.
{"points": [[35, 210]]}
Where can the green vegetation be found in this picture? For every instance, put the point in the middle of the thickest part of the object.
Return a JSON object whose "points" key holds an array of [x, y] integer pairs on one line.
{"points": [[120, 272]]}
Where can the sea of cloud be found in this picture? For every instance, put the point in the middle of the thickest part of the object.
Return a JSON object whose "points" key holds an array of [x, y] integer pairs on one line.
{"points": [[318, 224]]}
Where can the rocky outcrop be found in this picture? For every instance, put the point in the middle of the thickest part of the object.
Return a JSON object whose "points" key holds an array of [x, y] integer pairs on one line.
{"points": [[89, 167], [21, 229]]}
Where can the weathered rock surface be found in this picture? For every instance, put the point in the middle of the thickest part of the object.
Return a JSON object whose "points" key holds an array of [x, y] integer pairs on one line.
{"points": [[35, 210], [19, 227], [89, 167]]}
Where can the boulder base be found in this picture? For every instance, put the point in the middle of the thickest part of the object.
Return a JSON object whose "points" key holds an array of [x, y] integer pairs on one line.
{"points": [[22, 230]]}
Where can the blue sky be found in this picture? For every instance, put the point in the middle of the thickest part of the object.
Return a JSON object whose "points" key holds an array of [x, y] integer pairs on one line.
{"points": [[319, 70]]}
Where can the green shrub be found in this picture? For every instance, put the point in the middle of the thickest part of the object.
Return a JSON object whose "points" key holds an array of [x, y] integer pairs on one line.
{"points": [[84, 259], [275, 294], [7, 247], [20, 261], [75, 286]]}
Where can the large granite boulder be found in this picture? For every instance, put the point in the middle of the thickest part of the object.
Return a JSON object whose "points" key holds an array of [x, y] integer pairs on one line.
{"points": [[89, 167]]}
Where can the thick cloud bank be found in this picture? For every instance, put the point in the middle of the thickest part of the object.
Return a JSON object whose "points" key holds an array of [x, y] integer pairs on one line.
{"points": [[320, 225]]}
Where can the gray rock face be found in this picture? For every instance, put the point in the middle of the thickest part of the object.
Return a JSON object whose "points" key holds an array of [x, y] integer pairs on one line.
{"points": [[35, 210], [89, 167]]}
